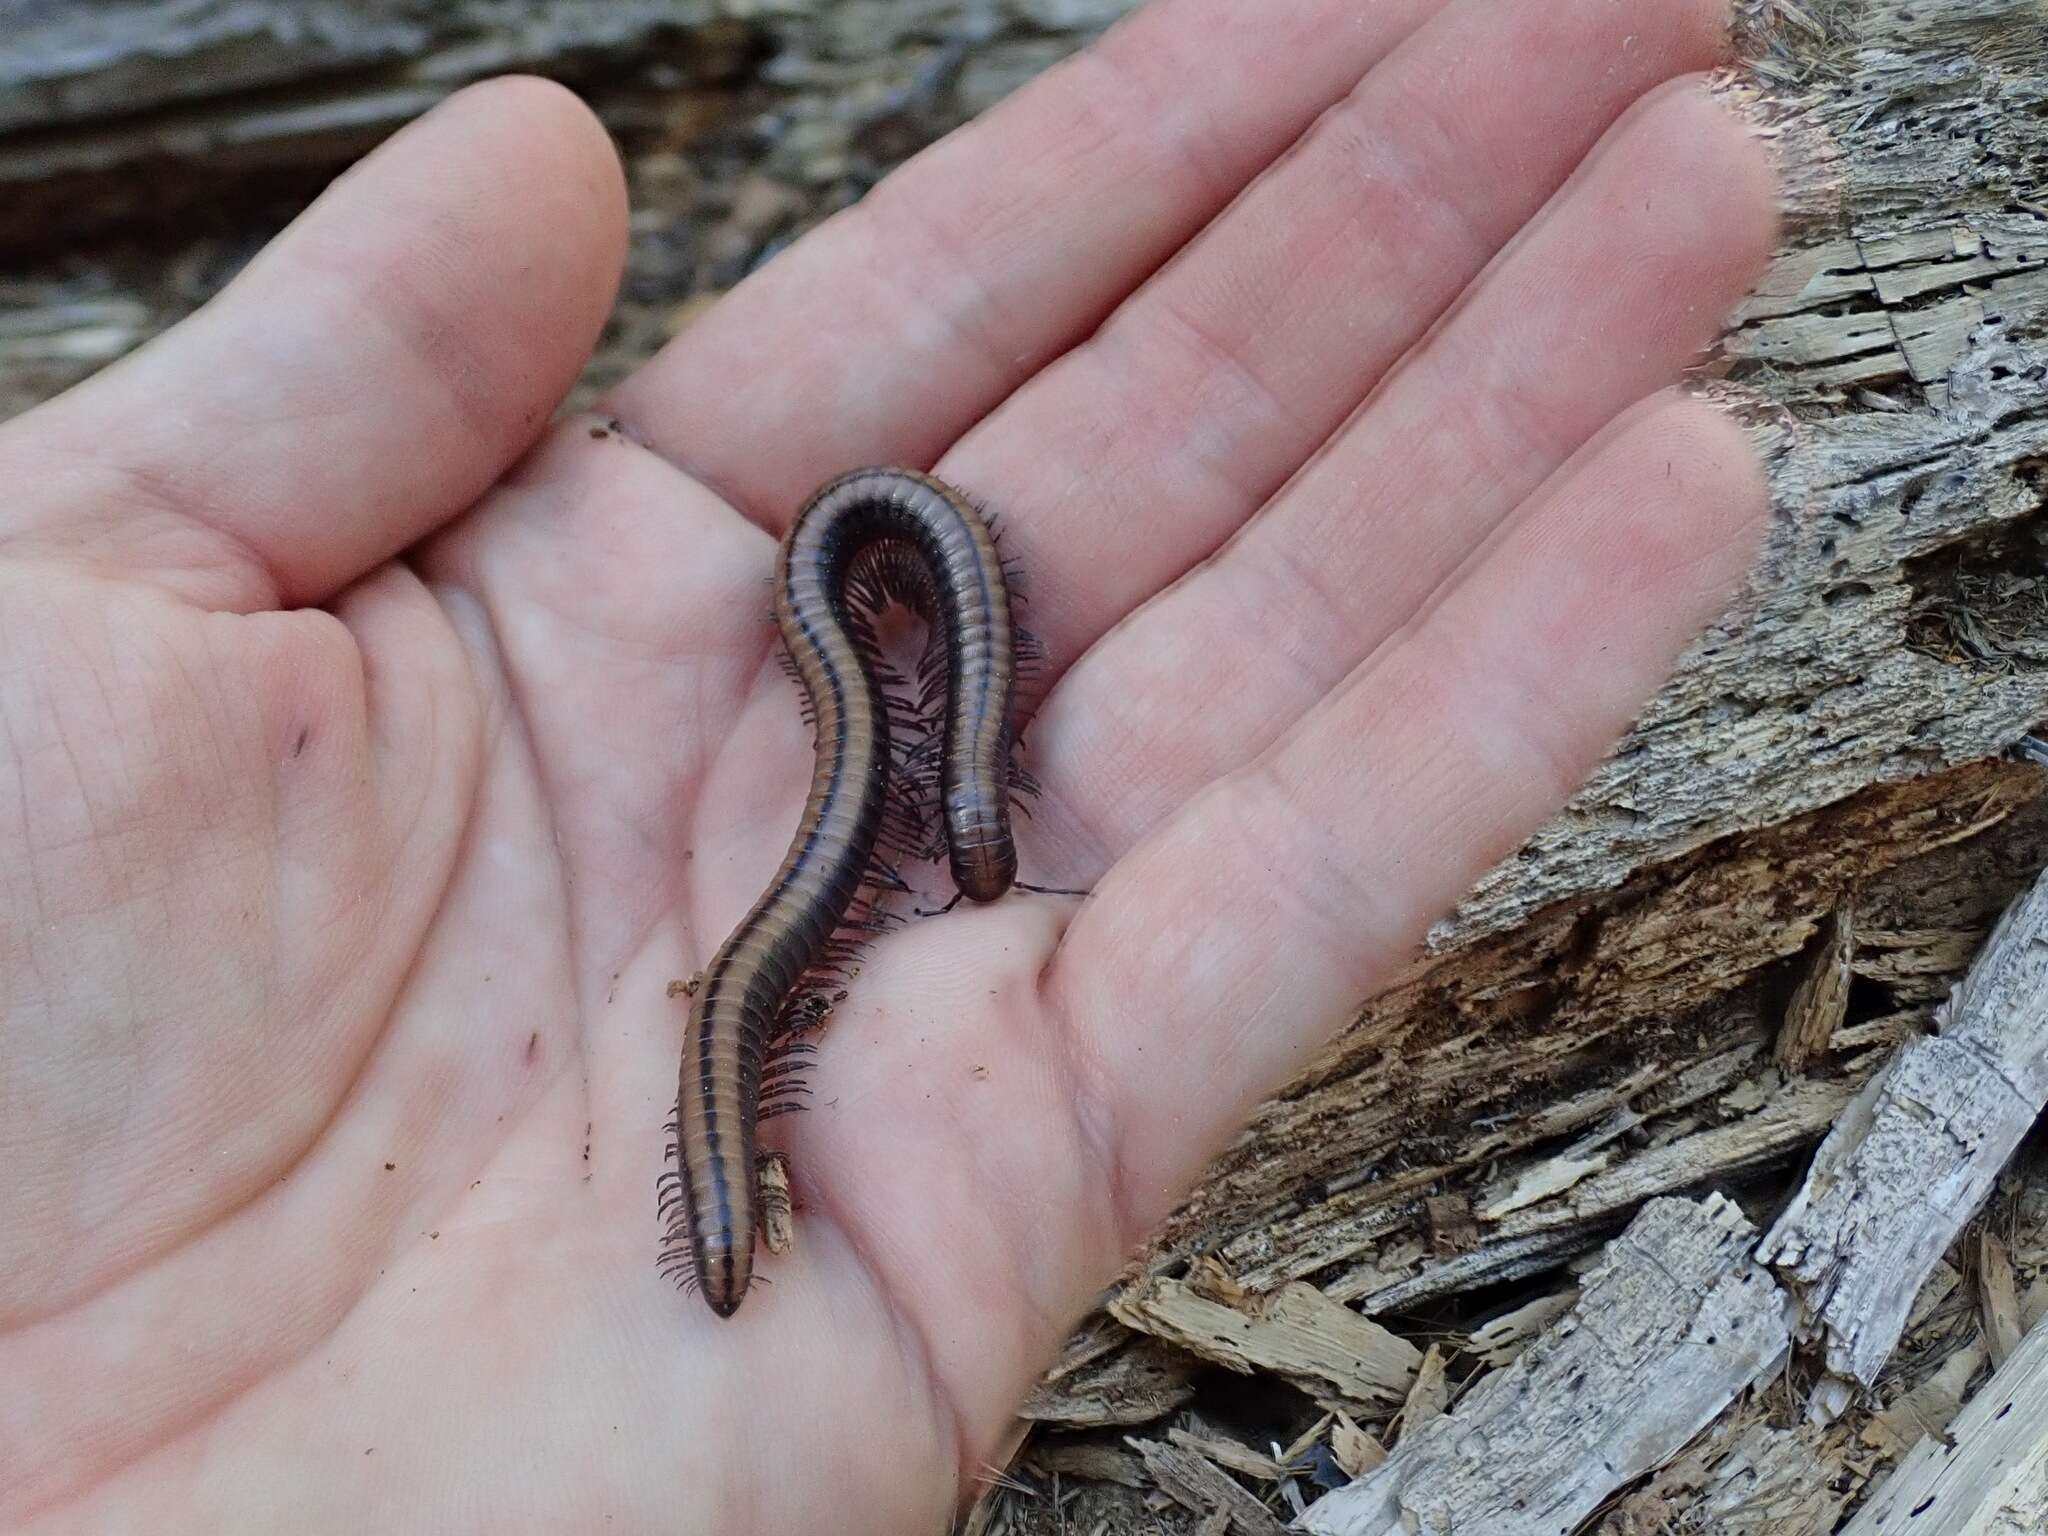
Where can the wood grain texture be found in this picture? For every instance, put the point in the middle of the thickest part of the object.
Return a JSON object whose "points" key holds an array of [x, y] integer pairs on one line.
{"points": [[1988, 1476], [1673, 1323], [1909, 1163]]}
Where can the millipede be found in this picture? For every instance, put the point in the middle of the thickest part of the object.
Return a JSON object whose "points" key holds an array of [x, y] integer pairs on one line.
{"points": [[863, 541]]}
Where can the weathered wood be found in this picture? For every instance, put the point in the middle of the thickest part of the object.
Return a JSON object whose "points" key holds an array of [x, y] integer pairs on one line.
{"points": [[1126, 1379], [1673, 1323], [1651, 1070], [1915, 1156], [110, 113], [1820, 1003], [1297, 1333], [1988, 1474], [1741, 1478], [69, 64], [1196, 1483], [1537, 1446], [1998, 1297], [198, 126], [141, 113]]}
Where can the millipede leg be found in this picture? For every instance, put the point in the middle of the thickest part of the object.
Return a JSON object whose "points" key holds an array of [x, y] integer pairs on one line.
{"points": [[778, 1224]]}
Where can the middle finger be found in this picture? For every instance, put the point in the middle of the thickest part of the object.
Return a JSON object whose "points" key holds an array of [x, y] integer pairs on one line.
{"points": [[1668, 225], [1219, 377]]}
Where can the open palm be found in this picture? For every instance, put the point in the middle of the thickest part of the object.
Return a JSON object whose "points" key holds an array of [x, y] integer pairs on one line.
{"points": [[341, 894]]}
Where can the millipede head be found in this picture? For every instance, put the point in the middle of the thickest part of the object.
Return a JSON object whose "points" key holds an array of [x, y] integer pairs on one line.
{"points": [[984, 871]]}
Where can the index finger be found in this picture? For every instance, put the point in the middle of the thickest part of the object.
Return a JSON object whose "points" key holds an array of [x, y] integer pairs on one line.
{"points": [[890, 330]]}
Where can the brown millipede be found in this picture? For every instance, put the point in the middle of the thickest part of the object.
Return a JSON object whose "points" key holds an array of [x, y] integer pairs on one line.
{"points": [[867, 538]]}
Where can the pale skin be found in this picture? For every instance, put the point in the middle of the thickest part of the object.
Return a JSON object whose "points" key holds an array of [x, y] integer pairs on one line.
{"points": [[376, 753]]}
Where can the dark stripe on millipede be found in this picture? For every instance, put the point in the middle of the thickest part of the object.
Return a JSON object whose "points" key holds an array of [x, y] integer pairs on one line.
{"points": [[950, 543]]}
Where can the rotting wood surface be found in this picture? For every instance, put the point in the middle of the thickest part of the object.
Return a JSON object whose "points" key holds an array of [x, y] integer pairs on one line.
{"points": [[1911, 1161], [1673, 1322], [1687, 1311], [1987, 1475]]}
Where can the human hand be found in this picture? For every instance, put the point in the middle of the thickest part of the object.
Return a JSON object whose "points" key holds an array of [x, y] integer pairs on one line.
{"points": [[340, 892]]}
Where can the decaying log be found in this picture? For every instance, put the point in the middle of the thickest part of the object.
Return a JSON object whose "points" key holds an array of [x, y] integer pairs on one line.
{"points": [[1987, 1475], [119, 111], [1554, 1134], [1741, 1478], [192, 129], [1684, 1311], [1297, 1333], [1540, 1445], [1673, 1323], [1914, 1157]]}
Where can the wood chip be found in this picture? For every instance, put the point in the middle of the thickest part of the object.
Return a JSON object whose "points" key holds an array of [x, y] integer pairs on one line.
{"points": [[1926, 1409], [1675, 1321], [1542, 1180], [1233, 1455], [1499, 1341], [1451, 1227], [1918, 1150], [1137, 1384], [1357, 1451], [1430, 1395], [1099, 1336], [1998, 1300], [1298, 1332], [1198, 1484], [1889, 1029], [1820, 1002], [1988, 1475], [1935, 1290], [1087, 1460], [1746, 1098]]}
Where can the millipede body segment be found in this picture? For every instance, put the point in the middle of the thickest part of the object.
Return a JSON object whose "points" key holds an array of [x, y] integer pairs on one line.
{"points": [[865, 539]]}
